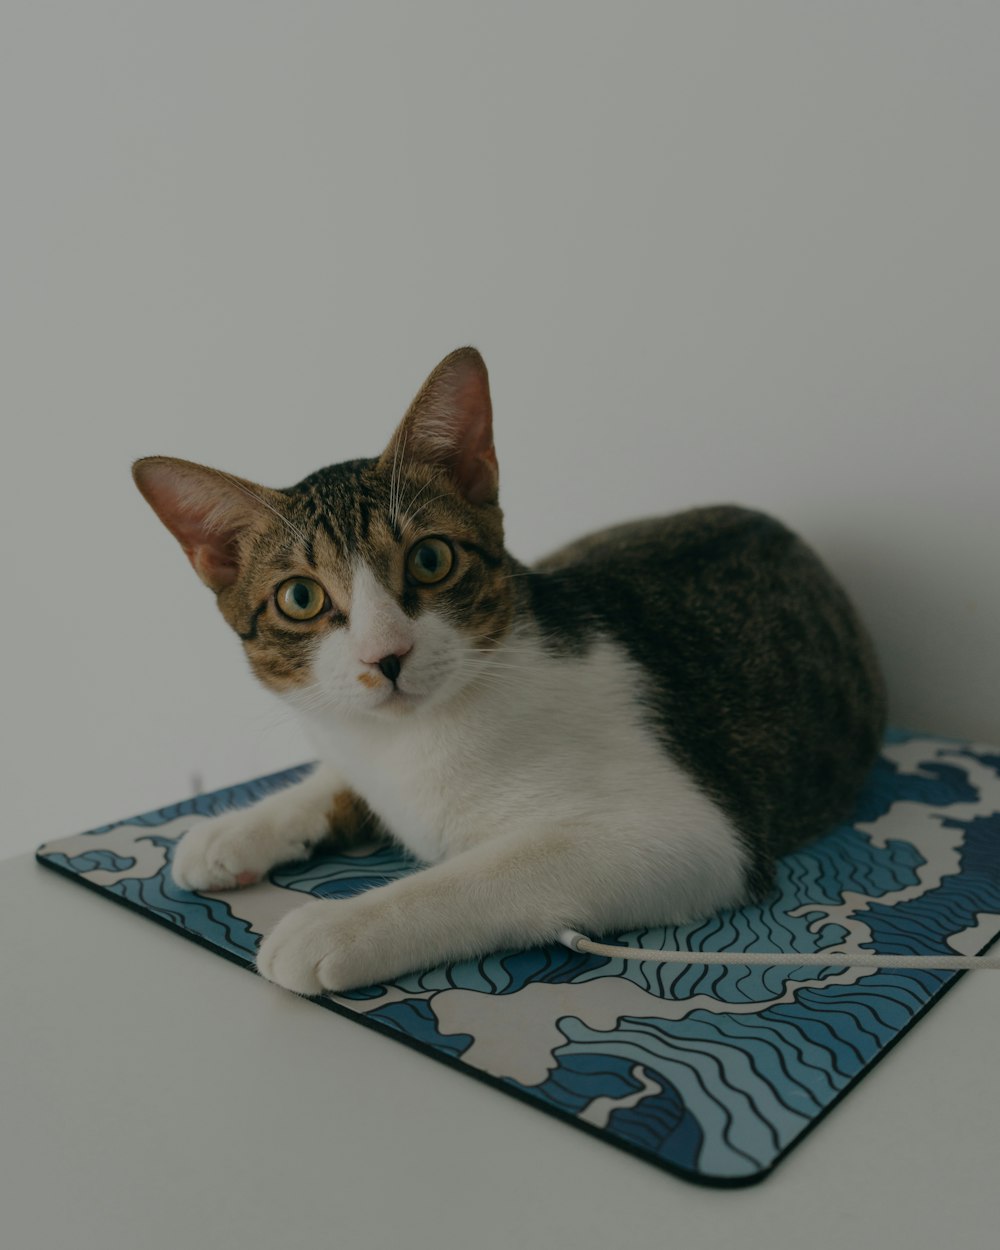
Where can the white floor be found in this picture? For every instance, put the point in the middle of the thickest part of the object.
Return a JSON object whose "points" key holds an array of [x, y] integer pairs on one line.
{"points": [[156, 1095]]}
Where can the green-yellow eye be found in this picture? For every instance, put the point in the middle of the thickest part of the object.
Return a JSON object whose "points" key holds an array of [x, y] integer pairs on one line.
{"points": [[300, 598], [430, 561]]}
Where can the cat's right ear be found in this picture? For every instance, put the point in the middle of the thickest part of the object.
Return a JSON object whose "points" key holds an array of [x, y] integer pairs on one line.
{"points": [[207, 511], [450, 426]]}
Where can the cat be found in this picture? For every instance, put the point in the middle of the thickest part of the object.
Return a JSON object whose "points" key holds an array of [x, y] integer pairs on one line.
{"points": [[626, 735]]}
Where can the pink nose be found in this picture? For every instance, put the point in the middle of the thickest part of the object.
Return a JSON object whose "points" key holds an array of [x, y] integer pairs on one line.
{"points": [[390, 665]]}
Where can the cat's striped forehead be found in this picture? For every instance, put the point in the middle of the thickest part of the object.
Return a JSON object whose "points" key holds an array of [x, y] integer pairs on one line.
{"points": [[351, 505], [358, 510]]}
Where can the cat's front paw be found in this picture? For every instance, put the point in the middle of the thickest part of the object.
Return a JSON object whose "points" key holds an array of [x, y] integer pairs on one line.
{"points": [[328, 944], [235, 849]]}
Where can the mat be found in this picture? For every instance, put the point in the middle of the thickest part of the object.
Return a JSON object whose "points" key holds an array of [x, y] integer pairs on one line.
{"points": [[714, 1073]]}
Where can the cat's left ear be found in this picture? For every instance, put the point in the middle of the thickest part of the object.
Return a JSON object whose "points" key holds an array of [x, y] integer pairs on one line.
{"points": [[450, 424]]}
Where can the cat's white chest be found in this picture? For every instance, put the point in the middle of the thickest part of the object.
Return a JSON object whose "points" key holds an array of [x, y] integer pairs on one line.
{"points": [[418, 776], [558, 743]]}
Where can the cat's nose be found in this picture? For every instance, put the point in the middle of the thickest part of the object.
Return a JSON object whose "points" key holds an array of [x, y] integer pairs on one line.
{"points": [[391, 664]]}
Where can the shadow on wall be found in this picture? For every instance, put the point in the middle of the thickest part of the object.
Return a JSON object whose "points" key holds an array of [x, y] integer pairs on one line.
{"points": [[922, 612]]}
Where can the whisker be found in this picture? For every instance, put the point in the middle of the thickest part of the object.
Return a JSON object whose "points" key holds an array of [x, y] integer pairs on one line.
{"points": [[549, 577], [505, 673], [392, 472], [430, 482], [409, 520], [520, 669], [253, 495], [497, 680], [395, 492]]}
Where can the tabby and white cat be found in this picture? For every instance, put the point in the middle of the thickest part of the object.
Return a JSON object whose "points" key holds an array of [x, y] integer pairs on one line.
{"points": [[623, 736]]}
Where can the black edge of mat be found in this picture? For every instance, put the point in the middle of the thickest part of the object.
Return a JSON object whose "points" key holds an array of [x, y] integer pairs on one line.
{"points": [[699, 1178]]}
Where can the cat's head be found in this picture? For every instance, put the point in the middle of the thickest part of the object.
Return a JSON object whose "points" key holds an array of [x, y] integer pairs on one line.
{"points": [[374, 585]]}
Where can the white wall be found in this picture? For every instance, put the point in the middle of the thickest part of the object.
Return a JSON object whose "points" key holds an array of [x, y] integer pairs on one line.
{"points": [[710, 252]]}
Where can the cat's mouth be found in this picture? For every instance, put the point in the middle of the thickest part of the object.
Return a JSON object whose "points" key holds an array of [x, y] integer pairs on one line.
{"points": [[397, 700]]}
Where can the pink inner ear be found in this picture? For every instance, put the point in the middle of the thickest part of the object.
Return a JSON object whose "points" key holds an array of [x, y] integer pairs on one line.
{"points": [[475, 460], [213, 556], [450, 423], [193, 506], [477, 474]]}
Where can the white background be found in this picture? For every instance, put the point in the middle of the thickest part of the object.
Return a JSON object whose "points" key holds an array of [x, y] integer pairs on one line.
{"points": [[710, 252]]}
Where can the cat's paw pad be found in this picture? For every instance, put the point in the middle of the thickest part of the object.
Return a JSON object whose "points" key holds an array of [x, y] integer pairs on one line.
{"points": [[324, 945], [231, 851]]}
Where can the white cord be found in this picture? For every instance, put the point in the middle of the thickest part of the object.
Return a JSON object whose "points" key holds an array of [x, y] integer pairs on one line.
{"points": [[822, 959]]}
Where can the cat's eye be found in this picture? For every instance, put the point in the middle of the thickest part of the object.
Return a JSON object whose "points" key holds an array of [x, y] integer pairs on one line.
{"points": [[300, 598], [430, 561]]}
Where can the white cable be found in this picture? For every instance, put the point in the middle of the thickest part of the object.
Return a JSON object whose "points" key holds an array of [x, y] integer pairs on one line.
{"points": [[822, 959]]}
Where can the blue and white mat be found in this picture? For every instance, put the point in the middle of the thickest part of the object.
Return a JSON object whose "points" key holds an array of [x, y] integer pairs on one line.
{"points": [[712, 1072]]}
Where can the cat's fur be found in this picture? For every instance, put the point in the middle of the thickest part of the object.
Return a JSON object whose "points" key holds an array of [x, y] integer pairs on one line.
{"points": [[626, 735]]}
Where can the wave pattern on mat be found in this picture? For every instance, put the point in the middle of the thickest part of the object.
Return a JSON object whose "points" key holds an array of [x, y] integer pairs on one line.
{"points": [[714, 1072]]}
